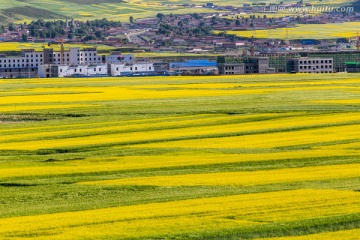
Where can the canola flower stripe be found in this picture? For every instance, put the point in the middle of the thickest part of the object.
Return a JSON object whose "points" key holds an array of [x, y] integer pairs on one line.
{"points": [[137, 126], [352, 234], [319, 134], [281, 139], [177, 217], [244, 178], [112, 164]]}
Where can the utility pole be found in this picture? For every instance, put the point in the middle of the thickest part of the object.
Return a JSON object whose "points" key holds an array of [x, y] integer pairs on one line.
{"points": [[287, 34]]}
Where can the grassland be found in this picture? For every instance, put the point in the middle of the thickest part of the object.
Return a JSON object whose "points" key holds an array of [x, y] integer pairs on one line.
{"points": [[223, 157], [305, 31]]}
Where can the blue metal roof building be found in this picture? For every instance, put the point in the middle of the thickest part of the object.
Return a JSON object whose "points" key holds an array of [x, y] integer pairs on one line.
{"points": [[193, 64]]}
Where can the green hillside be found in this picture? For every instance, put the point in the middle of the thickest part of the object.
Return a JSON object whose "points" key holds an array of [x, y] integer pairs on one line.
{"points": [[27, 10]]}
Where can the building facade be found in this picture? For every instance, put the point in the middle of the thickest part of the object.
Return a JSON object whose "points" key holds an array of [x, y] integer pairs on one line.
{"points": [[118, 57], [244, 65], [54, 70], [126, 69], [311, 65], [25, 65], [353, 67]]}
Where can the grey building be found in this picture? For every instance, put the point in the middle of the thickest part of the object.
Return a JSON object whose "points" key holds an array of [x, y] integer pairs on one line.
{"points": [[246, 65], [20, 66], [231, 68], [161, 67], [311, 65]]}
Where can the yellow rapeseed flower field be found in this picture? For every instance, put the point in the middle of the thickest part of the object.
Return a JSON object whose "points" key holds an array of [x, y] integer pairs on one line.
{"points": [[198, 215], [183, 157], [244, 178], [338, 235]]}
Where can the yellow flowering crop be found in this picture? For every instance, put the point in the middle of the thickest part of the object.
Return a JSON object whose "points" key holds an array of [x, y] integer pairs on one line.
{"points": [[352, 234], [244, 178], [185, 216]]}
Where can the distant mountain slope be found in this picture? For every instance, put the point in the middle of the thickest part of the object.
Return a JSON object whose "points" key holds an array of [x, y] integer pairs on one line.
{"points": [[31, 12], [27, 10], [92, 1]]}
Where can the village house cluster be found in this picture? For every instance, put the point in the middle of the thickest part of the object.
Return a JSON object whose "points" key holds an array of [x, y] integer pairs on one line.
{"points": [[86, 62]]}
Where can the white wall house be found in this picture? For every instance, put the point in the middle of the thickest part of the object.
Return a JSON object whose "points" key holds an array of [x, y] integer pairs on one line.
{"points": [[126, 69], [117, 57], [92, 70], [97, 70]]}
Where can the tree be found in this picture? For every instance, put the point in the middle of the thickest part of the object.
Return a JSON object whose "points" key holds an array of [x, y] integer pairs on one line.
{"points": [[11, 27], [214, 20], [196, 15], [131, 19], [70, 35], [99, 34], [24, 37], [237, 22], [160, 16]]}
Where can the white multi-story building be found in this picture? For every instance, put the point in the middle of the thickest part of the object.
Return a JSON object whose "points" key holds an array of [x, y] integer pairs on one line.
{"points": [[75, 56], [92, 70], [118, 57], [23, 66], [124, 69]]}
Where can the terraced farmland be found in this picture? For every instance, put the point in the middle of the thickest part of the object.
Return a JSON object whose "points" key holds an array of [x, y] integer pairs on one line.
{"points": [[222, 157], [305, 31]]}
